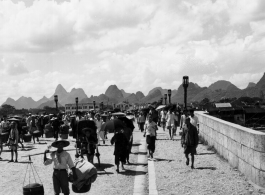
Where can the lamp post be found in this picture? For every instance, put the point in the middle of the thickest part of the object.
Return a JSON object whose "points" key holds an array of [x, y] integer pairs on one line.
{"points": [[185, 85], [165, 97], [76, 101], [94, 104], [56, 102], [169, 96], [101, 105], [113, 106]]}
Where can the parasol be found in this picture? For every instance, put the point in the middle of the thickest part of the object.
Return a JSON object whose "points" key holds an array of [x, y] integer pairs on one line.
{"points": [[111, 125], [160, 107], [118, 114], [13, 119], [128, 122]]}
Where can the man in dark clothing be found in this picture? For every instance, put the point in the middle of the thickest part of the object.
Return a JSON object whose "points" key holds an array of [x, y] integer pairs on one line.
{"points": [[120, 149], [189, 141]]}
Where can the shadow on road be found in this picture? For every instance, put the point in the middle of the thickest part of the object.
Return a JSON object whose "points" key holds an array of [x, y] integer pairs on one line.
{"points": [[139, 153], [209, 153], [210, 168], [103, 166], [161, 159], [105, 173], [132, 172], [138, 164], [136, 144]]}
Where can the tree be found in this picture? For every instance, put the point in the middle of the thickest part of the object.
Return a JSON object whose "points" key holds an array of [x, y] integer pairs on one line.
{"points": [[7, 109], [205, 101]]}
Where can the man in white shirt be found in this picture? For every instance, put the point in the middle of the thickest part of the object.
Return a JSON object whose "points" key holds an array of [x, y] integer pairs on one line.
{"points": [[194, 120], [62, 161]]}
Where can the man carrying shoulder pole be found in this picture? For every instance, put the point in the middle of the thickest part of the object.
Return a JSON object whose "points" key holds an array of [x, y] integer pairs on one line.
{"points": [[62, 160]]}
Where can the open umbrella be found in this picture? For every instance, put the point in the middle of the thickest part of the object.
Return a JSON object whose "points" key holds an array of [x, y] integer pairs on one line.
{"points": [[128, 122], [13, 119], [118, 114], [112, 125]]}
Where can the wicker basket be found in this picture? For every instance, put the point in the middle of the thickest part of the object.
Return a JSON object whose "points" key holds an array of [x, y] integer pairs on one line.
{"points": [[49, 134], [36, 133], [4, 137], [27, 138]]}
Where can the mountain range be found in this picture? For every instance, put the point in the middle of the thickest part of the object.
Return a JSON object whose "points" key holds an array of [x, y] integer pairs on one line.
{"points": [[195, 93]]}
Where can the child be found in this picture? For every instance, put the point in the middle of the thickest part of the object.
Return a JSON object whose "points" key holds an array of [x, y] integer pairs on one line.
{"points": [[150, 133], [120, 149]]}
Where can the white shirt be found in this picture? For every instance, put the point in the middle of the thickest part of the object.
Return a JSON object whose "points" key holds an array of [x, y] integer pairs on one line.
{"points": [[66, 160], [194, 121], [150, 128], [98, 124], [3, 125]]}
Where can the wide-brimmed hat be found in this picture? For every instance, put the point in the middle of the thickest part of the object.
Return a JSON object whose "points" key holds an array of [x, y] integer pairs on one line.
{"points": [[87, 129], [97, 114], [65, 143], [53, 118]]}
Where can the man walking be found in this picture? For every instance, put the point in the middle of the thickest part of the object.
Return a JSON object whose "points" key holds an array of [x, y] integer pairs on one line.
{"points": [[189, 140]]}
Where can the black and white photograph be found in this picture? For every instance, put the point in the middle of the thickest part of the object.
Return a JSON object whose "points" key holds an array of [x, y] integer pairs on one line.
{"points": [[132, 97]]}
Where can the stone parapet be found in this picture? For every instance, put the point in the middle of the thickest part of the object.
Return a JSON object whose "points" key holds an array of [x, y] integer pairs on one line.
{"points": [[244, 148]]}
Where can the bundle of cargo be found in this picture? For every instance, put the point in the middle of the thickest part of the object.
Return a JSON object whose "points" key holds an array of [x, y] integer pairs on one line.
{"points": [[48, 131]]}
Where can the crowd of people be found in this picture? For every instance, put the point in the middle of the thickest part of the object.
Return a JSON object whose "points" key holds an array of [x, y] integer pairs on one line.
{"points": [[169, 118]]}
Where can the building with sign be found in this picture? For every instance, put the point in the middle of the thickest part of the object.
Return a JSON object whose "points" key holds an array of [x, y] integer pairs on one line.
{"points": [[82, 107]]}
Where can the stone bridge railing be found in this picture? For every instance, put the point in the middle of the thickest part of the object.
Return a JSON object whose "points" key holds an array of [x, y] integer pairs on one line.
{"points": [[244, 148]]}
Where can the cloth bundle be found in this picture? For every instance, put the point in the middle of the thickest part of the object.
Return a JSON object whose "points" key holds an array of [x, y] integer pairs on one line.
{"points": [[85, 171]]}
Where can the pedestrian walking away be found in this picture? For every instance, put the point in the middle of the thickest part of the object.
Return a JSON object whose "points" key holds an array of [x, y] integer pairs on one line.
{"points": [[189, 141], [120, 148]]}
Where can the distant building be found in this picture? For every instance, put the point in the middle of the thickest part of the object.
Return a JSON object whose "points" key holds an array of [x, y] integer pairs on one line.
{"points": [[82, 107]]}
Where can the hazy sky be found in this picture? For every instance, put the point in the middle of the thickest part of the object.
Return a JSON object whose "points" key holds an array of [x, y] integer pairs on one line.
{"points": [[136, 45]]}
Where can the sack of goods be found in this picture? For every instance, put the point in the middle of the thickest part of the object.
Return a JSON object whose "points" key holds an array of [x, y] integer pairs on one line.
{"points": [[86, 174], [27, 138]]}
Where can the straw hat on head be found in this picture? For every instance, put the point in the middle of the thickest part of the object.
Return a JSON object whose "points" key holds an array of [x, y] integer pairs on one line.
{"points": [[65, 143], [97, 114]]}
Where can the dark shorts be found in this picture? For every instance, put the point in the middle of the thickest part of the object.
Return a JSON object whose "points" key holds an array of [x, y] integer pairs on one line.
{"points": [[190, 150], [151, 140], [60, 182], [141, 126], [119, 158]]}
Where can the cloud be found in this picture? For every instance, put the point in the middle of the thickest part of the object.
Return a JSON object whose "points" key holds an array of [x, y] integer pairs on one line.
{"points": [[136, 45], [14, 66]]}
